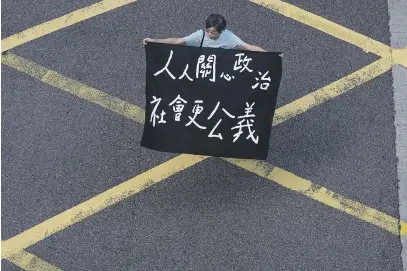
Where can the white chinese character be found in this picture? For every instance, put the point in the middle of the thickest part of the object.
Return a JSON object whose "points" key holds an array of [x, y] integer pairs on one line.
{"points": [[223, 109], [227, 76], [178, 106], [219, 135], [166, 68], [242, 64], [208, 69], [154, 116], [185, 74], [248, 124], [196, 110], [264, 85]]}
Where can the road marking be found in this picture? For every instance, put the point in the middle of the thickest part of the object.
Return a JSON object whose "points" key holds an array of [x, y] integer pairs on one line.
{"points": [[114, 195], [397, 56], [98, 203], [74, 87], [321, 194], [332, 90], [30, 262], [324, 25], [278, 175], [288, 10], [61, 22]]}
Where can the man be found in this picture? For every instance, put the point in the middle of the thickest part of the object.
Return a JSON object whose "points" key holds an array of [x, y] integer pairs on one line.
{"points": [[216, 36]]}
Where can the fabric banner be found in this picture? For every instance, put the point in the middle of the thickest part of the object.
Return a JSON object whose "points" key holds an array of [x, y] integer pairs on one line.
{"points": [[209, 101]]}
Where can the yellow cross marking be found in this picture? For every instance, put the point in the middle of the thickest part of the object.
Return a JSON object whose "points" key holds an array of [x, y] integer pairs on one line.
{"points": [[12, 249], [177, 164], [332, 90], [61, 22], [335, 30], [31, 262]]}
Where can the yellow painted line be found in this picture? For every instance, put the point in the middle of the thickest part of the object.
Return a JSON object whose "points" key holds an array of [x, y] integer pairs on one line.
{"points": [[30, 262], [329, 27], [98, 203], [403, 228], [74, 87], [319, 193], [332, 90], [61, 22], [399, 56]]}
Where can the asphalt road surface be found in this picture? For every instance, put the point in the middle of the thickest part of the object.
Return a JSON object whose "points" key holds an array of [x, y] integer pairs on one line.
{"points": [[59, 150]]}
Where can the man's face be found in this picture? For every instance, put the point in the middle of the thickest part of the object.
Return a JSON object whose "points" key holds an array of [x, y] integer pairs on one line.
{"points": [[212, 33]]}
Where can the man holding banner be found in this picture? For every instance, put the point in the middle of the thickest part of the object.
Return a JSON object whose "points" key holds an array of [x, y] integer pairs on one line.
{"points": [[209, 101], [217, 36]]}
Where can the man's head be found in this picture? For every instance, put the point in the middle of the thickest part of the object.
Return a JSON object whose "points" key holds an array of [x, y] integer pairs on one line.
{"points": [[215, 24]]}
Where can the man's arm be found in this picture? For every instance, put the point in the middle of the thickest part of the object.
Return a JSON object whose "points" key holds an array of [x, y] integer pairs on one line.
{"points": [[177, 41], [250, 47]]}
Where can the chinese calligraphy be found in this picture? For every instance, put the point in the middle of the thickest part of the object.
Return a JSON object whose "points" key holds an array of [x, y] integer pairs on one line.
{"points": [[264, 85], [179, 103], [154, 116], [208, 69], [196, 110], [178, 106], [166, 67], [186, 74], [227, 76], [242, 64], [249, 123], [219, 135]]}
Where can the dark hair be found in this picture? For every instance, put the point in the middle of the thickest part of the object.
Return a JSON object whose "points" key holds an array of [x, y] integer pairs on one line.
{"points": [[217, 21]]}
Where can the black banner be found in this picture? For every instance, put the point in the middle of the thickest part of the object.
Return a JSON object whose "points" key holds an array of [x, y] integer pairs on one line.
{"points": [[208, 101]]}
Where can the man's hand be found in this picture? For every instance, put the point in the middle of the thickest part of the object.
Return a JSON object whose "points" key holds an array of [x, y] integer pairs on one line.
{"points": [[147, 40], [249, 47], [176, 41]]}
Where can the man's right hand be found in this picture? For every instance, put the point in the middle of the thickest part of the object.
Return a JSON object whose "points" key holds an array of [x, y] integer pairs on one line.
{"points": [[147, 40]]}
